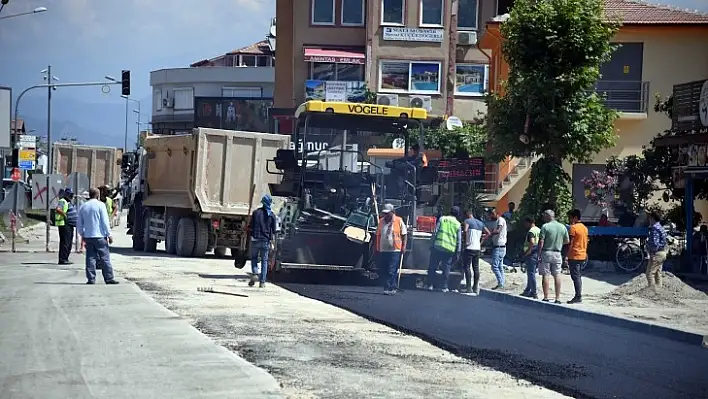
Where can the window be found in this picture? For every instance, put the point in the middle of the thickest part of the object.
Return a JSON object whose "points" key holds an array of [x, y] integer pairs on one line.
{"points": [[322, 12], [157, 99], [353, 12], [336, 72], [471, 79], [263, 61], [431, 12], [410, 77], [504, 6], [184, 98], [248, 60], [392, 12], [247, 92], [467, 14]]}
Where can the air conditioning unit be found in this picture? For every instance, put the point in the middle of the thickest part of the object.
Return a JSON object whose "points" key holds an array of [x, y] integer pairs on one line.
{"points": [[424, 102], [387, 99], [168, 102], [467, 38]]}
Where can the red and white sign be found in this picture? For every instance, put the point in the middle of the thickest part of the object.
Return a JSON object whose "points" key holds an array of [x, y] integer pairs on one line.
{"points": [[334, 56]]}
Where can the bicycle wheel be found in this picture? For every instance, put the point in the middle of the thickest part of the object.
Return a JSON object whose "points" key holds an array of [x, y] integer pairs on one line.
{"points": [[629, 257]]}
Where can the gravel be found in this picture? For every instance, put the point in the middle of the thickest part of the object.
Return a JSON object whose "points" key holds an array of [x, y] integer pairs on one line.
{"points": [[313, 349], [673, 290]]}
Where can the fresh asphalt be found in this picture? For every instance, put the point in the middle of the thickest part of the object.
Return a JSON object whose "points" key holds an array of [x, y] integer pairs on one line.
{"points": [[581, 358], [60, 338]]}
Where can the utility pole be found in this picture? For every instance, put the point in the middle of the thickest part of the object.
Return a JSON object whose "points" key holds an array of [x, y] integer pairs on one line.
{"points": [[50, 155], [125, 145], [452, 60]]}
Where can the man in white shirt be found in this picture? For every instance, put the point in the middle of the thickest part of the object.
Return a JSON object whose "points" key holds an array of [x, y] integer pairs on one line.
{"points": [[475, 232], [499, 247], [93, 225]]}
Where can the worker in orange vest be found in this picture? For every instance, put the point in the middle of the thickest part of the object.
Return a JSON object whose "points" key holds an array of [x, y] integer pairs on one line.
{"points": [[390, 246]]}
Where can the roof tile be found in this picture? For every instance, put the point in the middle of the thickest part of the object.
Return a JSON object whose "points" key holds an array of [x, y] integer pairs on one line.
{"points": [[632, 12]]}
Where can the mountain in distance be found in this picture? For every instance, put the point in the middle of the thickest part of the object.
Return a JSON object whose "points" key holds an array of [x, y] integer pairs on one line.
{"points": [[91, 123]]}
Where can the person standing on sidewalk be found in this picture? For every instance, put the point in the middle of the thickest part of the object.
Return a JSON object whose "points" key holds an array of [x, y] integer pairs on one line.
{"points": [[475, 233], [656, 245], [531, 257], [499, 247], [577, 255], [390, 247], [447, 245], [65, 220], [263, 227], [552, 238], [94, 227]]}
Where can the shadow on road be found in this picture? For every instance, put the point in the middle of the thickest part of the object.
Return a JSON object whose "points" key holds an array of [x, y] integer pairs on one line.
{"points": [[224, 276], [58, 283], [39, 263]]}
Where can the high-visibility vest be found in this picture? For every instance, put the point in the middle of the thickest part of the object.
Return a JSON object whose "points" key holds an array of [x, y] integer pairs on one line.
{"points": [[446, 236], [59, 219], [535, 232], [109, 206], [396, 232]]}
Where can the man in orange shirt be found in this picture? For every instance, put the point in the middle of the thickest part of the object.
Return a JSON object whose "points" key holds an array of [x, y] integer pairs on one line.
{"points": [[577, 255], [390, 247]]}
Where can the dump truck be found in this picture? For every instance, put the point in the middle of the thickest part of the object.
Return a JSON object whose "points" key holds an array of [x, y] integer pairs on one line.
{"points": [[101, 164], [197, 191]]}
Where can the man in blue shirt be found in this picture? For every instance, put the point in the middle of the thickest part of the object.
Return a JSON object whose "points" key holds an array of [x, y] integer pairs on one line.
{"points": [[656, 245], [93, 226]]}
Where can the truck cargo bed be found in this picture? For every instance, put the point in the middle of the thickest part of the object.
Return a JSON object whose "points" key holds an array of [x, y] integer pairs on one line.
{"points": [[211, 171], [100, 164]]}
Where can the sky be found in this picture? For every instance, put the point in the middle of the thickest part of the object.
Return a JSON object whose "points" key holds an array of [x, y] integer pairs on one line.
{"points": [[84, 40]]}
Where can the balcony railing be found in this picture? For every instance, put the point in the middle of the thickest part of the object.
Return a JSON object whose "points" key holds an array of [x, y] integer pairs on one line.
{"points": [[624, 96]]}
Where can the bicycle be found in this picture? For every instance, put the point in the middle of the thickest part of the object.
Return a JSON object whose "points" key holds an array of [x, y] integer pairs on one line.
{"points": [[630, 256]]}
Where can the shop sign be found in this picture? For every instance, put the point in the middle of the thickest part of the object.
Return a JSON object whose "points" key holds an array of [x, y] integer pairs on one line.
{"points": [[413, 34]]}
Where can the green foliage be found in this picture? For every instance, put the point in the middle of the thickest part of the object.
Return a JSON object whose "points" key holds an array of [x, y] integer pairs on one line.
{"points": [[473, 199], [469, 140], [554, 49], [369, 96], [641, 173], [677, 214], [549, 189]]}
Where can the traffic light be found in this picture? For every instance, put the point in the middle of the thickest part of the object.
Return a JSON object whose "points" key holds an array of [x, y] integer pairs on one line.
{"points": [[125, 83]]}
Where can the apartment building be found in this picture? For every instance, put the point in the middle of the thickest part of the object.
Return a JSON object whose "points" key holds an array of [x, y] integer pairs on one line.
{"points": [[410, 52], [232, 91]]}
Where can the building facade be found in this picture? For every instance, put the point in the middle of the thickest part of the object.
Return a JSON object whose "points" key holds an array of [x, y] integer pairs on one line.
{"points": [[400, 49], [233, 91], [660, 47]]}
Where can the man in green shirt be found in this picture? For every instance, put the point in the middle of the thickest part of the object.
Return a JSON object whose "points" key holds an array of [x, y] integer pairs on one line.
{"points": [[552, 238]]}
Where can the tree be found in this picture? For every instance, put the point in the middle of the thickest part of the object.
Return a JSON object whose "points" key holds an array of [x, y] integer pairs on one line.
{"points": [[554, 49], [469, 140]]}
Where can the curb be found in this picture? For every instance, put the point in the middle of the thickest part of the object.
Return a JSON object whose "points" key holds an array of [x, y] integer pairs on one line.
{"points": [[638, 326], [27, 251]]}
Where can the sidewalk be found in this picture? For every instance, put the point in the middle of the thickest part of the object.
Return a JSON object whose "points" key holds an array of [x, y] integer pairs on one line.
{"points": [[606, 292], [32, 239], [71, 340]]}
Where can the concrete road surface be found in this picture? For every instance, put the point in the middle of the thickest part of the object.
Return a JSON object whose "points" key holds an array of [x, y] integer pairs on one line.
{"points": [[577, 357], [60, 338]]}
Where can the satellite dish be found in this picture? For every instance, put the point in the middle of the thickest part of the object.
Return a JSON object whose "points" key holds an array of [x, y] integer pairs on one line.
{"points": [[453, 122], [398, 143]]}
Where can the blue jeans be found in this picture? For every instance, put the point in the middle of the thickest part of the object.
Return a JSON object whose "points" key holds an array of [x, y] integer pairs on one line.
{"points": [[387, 263], [498, 254], [259, 251], [531, 262], [97, 251], [438, 257]]}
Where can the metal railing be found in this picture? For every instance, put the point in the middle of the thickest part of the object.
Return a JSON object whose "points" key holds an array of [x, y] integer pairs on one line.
{"points": [[624, 96]]}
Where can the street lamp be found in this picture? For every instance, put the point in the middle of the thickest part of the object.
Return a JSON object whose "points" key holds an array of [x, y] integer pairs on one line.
{"points": [[50, 79], [127, 100], [35, 11]]}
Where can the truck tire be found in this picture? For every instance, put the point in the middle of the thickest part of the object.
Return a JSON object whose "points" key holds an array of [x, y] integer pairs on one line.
{"points": [[138, 242], [201, 242], [150, 244], [171, 235], [220, 252], [186, 237]]}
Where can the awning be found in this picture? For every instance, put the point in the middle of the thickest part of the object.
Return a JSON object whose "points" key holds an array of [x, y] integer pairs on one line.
{"points": [[314, 54]]}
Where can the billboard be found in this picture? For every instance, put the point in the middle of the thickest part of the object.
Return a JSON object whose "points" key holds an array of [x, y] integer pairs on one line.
{"points": [[232, 113], [5, 116]]}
